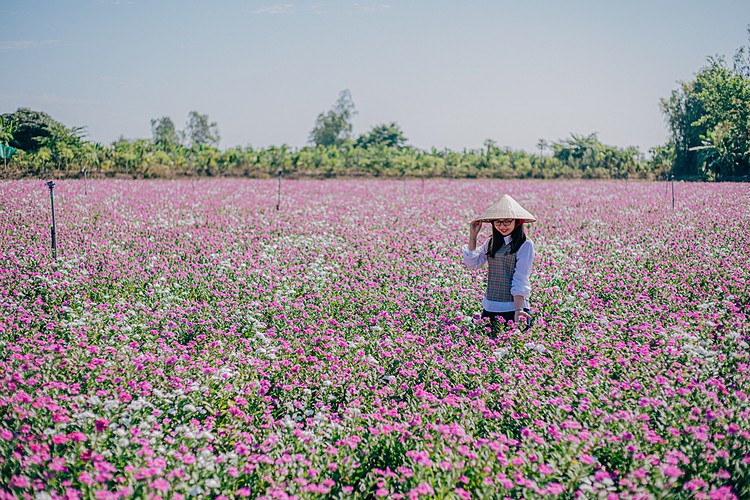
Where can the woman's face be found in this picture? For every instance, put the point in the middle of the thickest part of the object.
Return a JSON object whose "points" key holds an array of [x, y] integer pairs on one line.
{"points": [[505, 226]]}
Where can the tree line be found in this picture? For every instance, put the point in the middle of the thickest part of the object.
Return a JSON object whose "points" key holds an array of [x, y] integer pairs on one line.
{"points": [[708, 120]]}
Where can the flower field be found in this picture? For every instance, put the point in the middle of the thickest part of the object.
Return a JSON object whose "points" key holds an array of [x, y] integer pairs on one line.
{"points": [[192, 341]]}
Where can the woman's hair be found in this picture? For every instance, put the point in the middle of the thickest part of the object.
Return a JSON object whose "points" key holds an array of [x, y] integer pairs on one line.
{"points": [[517, 238]]}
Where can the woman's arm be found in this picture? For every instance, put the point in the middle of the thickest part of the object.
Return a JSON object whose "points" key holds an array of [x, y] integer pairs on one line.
{"points": [[474, 257], [474, 229]]}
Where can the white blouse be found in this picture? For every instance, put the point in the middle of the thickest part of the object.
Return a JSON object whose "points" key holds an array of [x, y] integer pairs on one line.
{"points": [[520, 284]]}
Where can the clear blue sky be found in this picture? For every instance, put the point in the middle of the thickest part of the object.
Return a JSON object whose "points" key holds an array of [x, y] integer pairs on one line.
{"points": [[450, 73]]}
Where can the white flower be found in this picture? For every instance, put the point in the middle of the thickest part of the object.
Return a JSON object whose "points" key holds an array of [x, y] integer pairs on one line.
{"points": [[500, 353]]}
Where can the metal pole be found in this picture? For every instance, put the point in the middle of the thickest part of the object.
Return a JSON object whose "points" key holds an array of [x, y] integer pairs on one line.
{"points": [[85, 183], [51, 186], [673, 192], [278, 196]]}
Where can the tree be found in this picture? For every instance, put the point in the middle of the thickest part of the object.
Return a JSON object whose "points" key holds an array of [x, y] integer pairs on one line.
{"points": [[30, 127], [64, 144], [389, 135], [709, 119], [164, 134], [334, 128], [200, 132]]}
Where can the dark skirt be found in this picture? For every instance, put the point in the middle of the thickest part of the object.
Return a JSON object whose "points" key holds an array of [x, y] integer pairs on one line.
{"points": [[505, 317]]}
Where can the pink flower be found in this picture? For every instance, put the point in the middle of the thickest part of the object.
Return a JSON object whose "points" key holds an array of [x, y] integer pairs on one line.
{"points": [[71, 494], [85, 478], [105, 495], [60, 439], [555, 488], [77, 436], [671, 471], [159, 484], [19, 482], [723, 493], [421, 489], [462, 493], [57, 464]]}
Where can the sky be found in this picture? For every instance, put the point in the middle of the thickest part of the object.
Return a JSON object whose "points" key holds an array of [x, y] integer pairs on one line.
{"points": [[451, 74]]}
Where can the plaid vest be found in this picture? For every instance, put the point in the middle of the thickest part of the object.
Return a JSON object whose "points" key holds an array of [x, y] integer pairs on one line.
{"points": [[500, 271]]}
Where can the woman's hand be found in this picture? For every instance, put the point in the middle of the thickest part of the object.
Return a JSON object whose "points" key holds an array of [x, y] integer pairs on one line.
{"points": [[519, 315], [474, 229]]}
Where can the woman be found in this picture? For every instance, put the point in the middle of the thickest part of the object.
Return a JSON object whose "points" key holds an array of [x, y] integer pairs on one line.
{"points": [[509, 256]]}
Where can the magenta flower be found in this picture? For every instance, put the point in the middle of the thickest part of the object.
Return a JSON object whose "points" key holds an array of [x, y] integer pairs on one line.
{"points": [[19, 482], [672, 471], [159, 484]]}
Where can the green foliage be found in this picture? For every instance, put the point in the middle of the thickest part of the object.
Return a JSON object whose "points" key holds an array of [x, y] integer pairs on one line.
{"points": [[200, 132], [30, 128], [576, 157], [164, 134], [7, 128], [594, 159], [662, 159], [334, 128], [382, 152], [388, 135], [709, 119]]}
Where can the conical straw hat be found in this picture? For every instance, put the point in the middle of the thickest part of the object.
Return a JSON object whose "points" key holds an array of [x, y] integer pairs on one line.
{"points": [[506, 208]]}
